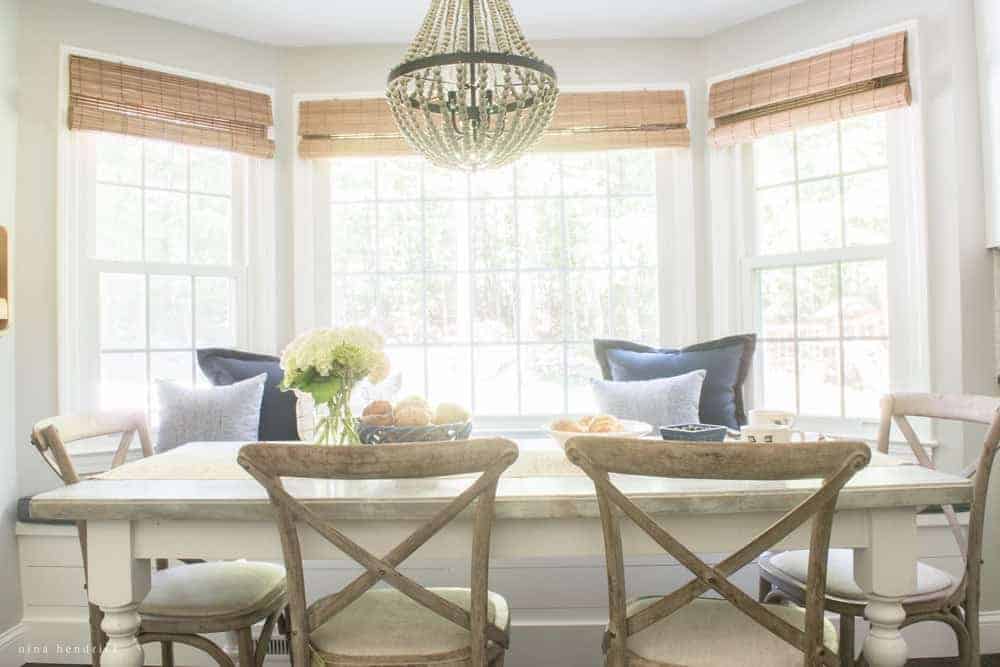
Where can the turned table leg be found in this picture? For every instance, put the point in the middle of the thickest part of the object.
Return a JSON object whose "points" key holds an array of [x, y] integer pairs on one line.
{"points": [[117, 583], [887, 572]]}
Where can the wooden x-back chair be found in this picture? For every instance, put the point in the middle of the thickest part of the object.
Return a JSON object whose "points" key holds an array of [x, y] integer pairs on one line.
{"points": [[681, 628], [406, 624], [184, 602], [938, 596]]}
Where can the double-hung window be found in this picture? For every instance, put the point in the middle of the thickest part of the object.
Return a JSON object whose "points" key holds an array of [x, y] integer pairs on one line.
{"points": [[820, 268], [490, 287], [157, 243]]}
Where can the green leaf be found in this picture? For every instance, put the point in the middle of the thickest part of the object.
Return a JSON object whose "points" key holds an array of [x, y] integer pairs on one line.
{"points": [[323, 389]]}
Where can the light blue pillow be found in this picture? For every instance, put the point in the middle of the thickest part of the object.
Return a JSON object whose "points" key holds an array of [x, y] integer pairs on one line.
{"points": [[660, 402], [212, 414]]}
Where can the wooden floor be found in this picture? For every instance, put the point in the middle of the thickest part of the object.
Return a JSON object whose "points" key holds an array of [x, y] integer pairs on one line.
{"points": [[988, 661]]}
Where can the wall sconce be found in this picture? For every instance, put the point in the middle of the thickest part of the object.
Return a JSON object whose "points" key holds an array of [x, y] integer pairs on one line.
{"points": [[4, 281]]}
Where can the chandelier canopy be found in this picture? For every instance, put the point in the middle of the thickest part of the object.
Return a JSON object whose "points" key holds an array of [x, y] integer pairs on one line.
{"points": [[470, 93]]}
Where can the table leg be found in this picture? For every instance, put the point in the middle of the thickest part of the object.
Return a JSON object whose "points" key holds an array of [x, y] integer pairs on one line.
{"points": [[117, 583], [887, 572]]}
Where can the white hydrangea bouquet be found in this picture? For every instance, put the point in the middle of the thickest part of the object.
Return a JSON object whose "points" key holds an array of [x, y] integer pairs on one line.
{"points": [[327, 364]]}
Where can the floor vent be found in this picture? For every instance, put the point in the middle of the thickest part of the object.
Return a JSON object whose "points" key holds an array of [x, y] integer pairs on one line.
{"points": [[277, 646]]}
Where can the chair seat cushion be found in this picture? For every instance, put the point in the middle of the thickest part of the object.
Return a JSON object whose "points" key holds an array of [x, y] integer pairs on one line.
{"points": [[388, 624], [840, 573], [714, 632], [215, 589]]}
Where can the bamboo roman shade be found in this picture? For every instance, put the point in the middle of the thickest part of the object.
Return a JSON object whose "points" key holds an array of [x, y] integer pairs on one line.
{"points": [[582, 121], [862, 78], [112, 97]]}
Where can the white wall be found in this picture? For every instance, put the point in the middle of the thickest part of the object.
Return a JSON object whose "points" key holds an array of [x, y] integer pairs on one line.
{"points": [[46, 26], [10, 605]]}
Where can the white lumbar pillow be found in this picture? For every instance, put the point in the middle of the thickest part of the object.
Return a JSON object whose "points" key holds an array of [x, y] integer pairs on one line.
{"points": [[211, 414], [660, 402]]}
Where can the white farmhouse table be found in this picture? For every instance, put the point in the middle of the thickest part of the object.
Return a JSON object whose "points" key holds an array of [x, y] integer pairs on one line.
{"points": [[196, 502]]}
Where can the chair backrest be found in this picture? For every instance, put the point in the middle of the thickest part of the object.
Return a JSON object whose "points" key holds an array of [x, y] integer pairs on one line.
{"points": [[268, 463], [833, 462], [965, 408], [51, 437]]}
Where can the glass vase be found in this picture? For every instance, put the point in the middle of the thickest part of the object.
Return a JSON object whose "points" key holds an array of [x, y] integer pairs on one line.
{"points": [[336, 426]]}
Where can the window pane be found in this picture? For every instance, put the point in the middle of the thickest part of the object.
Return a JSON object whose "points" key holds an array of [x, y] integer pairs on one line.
{"points": [[211, 171], [542, 306], [400, 237], [493, 235], [587, 233], [495, 368], [777, 305], [119, 159], [494, 307], [866, 208], [778, 364], [635, 315], [817, 293], [118, 219], [172, 366], [446, 309], [817, 151], [447, 235], [450, 375], [777, 231], [123, 311], [866, 376], [399, 178], [774, 159], [353, 237], [354, 300], [819, 378], [123, 381], [632, 172], [538, 175], [588, 304], [169, 311], [540, 225], [634, 231], [442, 183], [215, 321], [819, 214], [352, 179], [864, 142], [409, 363], [166, 226], [581, 368], [166, 165], [401, 308], [866, 298], [542, 379], [211, 230], [493, 182], [585, 174]]}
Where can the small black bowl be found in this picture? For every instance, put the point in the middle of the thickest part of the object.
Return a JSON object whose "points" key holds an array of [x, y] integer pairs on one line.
{"points": [[694, 432]]}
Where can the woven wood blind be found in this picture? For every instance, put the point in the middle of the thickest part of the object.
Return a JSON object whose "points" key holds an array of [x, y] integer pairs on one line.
{"points": [[582, 121], [112, 97], [862, 78]]}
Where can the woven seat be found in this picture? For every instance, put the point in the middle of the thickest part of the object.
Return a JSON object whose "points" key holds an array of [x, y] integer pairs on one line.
{"points": [[713, 632], [398, 626], [214, 590], [792, 565]]}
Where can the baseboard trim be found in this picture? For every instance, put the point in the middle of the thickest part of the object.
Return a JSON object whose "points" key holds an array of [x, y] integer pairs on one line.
{"points": [[11, 640], [989, 631]]}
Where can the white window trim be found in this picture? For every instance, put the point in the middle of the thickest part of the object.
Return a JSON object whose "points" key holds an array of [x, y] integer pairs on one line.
{"points": [[732, 217], [677, 263]]}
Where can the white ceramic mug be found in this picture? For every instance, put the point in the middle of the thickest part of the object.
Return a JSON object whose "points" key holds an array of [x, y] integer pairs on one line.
{"points": [[771, 418], [769, 434]]}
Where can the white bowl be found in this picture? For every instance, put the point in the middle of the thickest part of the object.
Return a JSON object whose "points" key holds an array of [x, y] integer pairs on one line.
{"points": [[632, 429]]}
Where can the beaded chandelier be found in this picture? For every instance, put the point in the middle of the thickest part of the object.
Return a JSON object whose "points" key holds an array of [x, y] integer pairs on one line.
{"points": [[470, 93]]}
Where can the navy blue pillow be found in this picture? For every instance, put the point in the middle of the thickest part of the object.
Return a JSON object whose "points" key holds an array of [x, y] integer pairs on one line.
{"points": [[726, 362], [277, 408]]}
